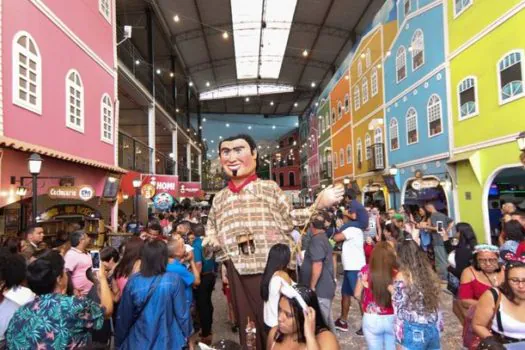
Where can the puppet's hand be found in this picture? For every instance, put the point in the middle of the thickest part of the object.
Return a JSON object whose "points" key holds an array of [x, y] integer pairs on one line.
{"points": [[211, 241], [330, 196]]}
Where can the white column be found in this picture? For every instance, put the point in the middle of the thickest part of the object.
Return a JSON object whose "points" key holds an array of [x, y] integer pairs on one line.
{"points": [[188, 160], [175, 149], [114, 217], [151, 136], [200, 167]]}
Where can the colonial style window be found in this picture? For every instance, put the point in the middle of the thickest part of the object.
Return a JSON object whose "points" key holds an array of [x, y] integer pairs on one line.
{"points": [[510, 76], [335, 160], [104, 6], [394, 135], [460, 6], [468, 104], [378, 148], [339, 109], [347, 103], [327, 122], [27, 73], [435, 125], [341, 157], [359, 68], [365, 90], [401, 64], [368, 58], [407, 7], [418, 49], [349, 154], [74, 101], [333, 116], [411, 120], [373, 82], [321, 124], [357, 98], [291, 179], [359, 152], [368, 143], [106, 115]]}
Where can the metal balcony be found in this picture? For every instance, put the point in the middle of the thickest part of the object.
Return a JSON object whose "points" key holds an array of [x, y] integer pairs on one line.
{"points": [[377, 157]]}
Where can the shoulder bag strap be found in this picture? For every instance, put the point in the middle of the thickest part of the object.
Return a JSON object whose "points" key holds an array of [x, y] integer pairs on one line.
{"points": [[497, 301]]}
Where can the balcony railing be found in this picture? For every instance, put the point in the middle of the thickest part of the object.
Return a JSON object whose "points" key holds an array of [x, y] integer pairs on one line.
{"points": [[326, 173], [137, 156], [184, 173], [377, 157], [164, 164]]}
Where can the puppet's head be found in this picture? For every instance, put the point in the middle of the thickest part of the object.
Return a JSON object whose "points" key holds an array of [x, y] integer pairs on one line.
{"points": [[238, 156]]}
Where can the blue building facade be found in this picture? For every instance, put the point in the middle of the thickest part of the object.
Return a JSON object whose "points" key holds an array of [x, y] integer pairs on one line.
{"points": [[416, 118]]}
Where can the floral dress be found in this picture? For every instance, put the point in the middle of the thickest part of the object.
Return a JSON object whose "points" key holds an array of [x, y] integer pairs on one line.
{"points": [[54, 321]]}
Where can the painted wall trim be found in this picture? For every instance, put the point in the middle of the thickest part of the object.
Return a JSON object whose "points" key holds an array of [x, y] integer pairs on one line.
{"points": [[488, 29], [431, 158], [341, 128], [371, 114], [487, 143], [369, 173], [66, 30], [416, 84]]}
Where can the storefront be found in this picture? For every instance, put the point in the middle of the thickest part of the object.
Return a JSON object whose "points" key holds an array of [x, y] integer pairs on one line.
{"points": [[373, 191], [426, 183]]}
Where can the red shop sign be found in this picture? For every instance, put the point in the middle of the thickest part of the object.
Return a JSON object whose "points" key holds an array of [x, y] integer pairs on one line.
{"points": [[189, 189], [162, 183]]}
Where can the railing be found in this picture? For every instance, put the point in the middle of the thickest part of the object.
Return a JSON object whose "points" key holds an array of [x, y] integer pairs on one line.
{"points": [[133, 154], [327, 172], [164, 164], [184, 173], [195, 177], [377, 157]]}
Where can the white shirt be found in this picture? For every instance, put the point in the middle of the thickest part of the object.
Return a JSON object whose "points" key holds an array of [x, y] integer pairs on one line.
{"points": [[14, 298], [353, 257], [271, 307]]}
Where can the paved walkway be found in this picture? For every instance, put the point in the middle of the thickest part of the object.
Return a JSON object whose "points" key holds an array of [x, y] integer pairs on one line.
{"points": [[451, 338]]}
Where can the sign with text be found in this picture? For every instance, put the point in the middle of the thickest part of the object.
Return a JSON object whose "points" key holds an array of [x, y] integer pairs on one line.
{"points": [[190, 189], [162, 183], [83, 192]]}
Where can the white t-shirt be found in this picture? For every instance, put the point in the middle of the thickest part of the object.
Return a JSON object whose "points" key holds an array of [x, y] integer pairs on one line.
{"points": [[14, 298], [353, 256], [271, 307]]}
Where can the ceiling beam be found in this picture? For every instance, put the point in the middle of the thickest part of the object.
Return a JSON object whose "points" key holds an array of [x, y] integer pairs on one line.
{"points": [[307, 59]]}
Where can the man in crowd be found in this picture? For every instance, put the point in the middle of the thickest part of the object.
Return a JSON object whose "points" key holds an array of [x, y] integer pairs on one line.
{"points": [[353, 259], [317, 270], [78, 261], [246, 219], [439, 223], [34, 237]]}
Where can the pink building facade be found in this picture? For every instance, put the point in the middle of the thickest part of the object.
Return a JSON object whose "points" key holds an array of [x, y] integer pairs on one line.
{"points": [[313, 154], [59, 93], [287, 170]]}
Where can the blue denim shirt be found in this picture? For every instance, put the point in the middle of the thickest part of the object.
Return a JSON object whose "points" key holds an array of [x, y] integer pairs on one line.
{"points": [[164, 323]]}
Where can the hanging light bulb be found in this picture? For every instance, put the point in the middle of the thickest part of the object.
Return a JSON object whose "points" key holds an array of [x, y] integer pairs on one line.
{"points": [[305, 52], [225, 35], [176, 18]]}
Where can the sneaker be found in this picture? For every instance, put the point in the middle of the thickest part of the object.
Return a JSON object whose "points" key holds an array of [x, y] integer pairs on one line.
{"points": [[359, 332], [341, 325]]}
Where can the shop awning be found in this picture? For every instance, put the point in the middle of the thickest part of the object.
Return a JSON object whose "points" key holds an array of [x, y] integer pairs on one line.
{"points": [[474, 159], [28, 147]]}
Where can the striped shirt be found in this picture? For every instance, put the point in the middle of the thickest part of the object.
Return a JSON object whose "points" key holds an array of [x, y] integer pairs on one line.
{"points": [[259, 216]]}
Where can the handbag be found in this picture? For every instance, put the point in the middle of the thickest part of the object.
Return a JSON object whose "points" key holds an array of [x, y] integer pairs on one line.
{"points": [[470, 339], [452, 283]]}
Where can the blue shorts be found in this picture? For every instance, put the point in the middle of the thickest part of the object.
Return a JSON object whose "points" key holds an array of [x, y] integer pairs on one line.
{"points": [[349, 283], [416, 336]]}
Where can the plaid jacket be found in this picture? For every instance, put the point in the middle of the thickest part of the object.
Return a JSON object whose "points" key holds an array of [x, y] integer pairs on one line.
{"points": [[260, 216]]}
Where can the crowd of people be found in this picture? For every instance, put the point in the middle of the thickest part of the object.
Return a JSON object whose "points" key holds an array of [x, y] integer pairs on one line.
{"points": [[155, 290]]}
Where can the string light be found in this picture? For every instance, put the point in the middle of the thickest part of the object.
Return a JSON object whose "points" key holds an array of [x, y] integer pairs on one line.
{"points": [[172, 75], [176, 18], [295, 104], [305, 52], [137, 62], [347, 77], [271, 103], [177, 110], [273, 126], [190, 83], [227, 125], [247, 99], [249, 127], [158, 71], [225, 35], [312, 84], [207, 84]]}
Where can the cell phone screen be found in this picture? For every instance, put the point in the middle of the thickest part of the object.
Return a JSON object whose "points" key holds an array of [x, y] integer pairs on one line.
{"points": [[95, 259], [440, 226]]}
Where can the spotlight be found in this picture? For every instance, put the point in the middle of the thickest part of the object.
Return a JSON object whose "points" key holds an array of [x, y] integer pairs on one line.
{"points": [[247, 99], [227, 125], [273, 126], [225, 35], [295, 104], [271, 103], [172, 75], [207, 84], [305, 52], [190, 83], [158, 71], [312, 84], [176, 18], [249, 127], [137, 62]]}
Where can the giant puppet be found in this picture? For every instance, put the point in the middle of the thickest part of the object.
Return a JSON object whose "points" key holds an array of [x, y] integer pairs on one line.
{"points": [[246, 219]]}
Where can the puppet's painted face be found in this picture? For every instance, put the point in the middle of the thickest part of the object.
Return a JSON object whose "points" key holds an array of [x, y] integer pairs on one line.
{"points": [[237, 159]]}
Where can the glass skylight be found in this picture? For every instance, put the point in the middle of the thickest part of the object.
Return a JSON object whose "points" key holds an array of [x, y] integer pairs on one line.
{"points": [[247, 18], [245, 90]]}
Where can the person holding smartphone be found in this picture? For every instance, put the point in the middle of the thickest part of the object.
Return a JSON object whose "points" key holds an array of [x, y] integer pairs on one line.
{"points": [[439, 225]]}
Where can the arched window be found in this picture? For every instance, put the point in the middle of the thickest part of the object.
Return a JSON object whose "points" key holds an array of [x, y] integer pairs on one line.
{"points": [[359, 145], [106, 119], [339, 109], [510, 76], [335, 160], [407, 7], [401, 64], [373, 82], [329, 163], [27, 73], [411, 121], [327, 121], [460, 6], [281, 179], [274, 177], [104, 6], [365, 90], [368, 149], [349, 154], [333, 115], [357, 98], [468, 101], [394, 135], [368, 58], [74, 101], [347, 103], [321, 126], [418, 49], [434, 113], [379, 157], [291, 179], [359, 68], [341, 157]]}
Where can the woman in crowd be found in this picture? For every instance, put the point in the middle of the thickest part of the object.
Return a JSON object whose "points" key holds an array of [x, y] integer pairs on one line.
{"points": [[153, 312], [372, 290], [415, 297], [54, 320], [501, 311], [298, 328], [513, 234], [484, 273], [128, 264], [274, 274]]}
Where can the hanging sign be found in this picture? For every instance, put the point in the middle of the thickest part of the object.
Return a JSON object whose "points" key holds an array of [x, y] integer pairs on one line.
{"points": [[147, 191], [424, 184], [82, 192], [189, 189], [163, 201], [162, 183]]}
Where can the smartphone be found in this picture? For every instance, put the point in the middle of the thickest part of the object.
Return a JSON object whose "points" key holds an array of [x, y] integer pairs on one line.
{"points": [[95, 259], [439, 226]]}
